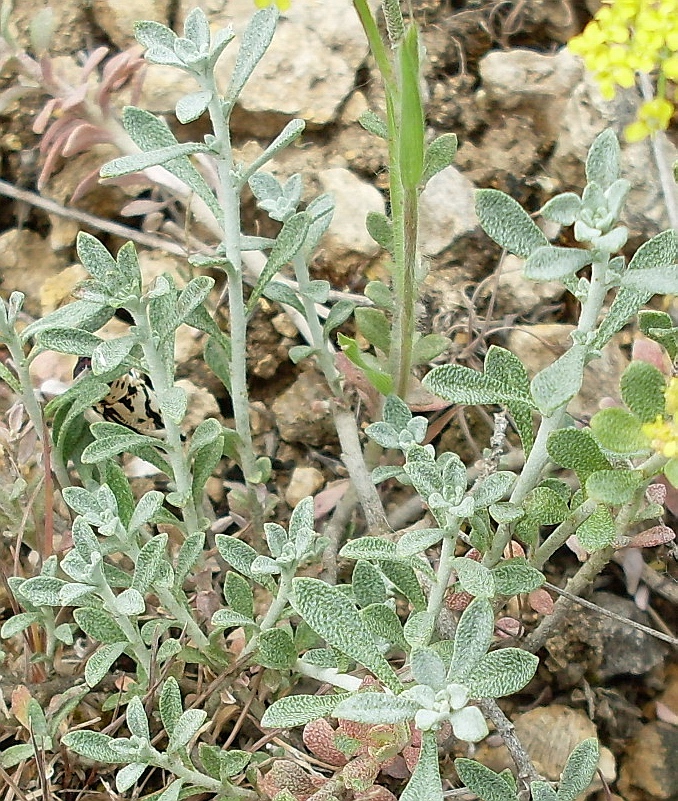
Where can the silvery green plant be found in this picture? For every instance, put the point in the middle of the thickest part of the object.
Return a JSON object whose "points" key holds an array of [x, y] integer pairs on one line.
{"points": [[497, 506], [157, 314], [196, 53], [137, 752], [110, 601], [310, 627]]}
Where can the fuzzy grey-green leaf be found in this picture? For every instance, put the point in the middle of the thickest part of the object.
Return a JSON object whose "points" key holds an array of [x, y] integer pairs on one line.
{"points": [[472, 638], [297, 710], [501, 673], [330, 613], [579, 770], [505, 221], [482, 781]]}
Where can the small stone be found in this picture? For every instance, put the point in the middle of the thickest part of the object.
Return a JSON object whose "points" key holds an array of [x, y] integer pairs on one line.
{"points": [[517, 295], [356, 105], [305, 481], [353, 199], [27, 262], [309, 69], [162, 87], [592, 644], [303, 412], [651, 763], [215, 489], [117, 19], [284, 326], [524, 78], [549, 734], [57, 290], [201, 405], [447, 210]]}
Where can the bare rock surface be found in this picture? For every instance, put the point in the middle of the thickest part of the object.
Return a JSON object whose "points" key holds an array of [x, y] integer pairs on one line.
{"points": [[516, 295], [531, 82], [305, 481], [27, 261], [117, 18], [651, 765], [347, 244], [591, 644], [447, 210], [309, 70], [302, 411]]}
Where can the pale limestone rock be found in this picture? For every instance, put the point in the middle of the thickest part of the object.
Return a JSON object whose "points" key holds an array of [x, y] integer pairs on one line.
{"points": [[309, 69], [117, 19], [516, 294], [447, 211], [305, 481], [201, 405], [302, 412], [347, 239], [27, 261], [538, 84]]}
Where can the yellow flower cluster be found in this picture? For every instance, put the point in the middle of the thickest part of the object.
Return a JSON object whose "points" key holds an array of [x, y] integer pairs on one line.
{"points": [[663, 433], [629, 36], [283, 5]]}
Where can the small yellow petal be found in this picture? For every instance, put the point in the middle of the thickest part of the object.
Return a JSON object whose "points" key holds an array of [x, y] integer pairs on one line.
{"points": [[636, 131]]}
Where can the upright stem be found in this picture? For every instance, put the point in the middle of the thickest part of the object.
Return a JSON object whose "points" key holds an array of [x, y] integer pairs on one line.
{"points": [[562, 533], [658, 143], [409, 288], [534, 466], [141, 653], [275, 609], [158, 373], [31, 404], [344, 420], [437, 596], [229, 200], [351, 453]]}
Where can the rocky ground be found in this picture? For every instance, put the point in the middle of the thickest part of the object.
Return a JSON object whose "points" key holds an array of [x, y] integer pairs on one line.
{"points": [[497, 75]]}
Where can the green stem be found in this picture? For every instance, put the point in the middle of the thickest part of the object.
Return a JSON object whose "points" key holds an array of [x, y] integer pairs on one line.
{"points": [[352, 456], [323, 354], [173, 606], [444, 572], [560, 535], [172, 764], [141, 653], [229, 201], [48, 624], [533, 470], [157, 371], [21, 366], [409, 288], [275, 609], [377, 47], [344, 420]]}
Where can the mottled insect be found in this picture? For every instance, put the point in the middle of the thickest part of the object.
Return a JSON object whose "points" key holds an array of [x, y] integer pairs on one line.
{"points": [[131, 401]]}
